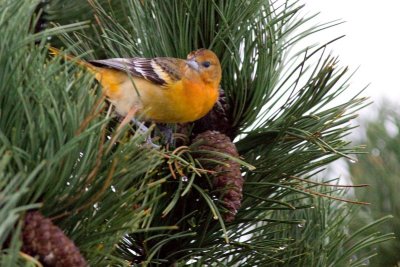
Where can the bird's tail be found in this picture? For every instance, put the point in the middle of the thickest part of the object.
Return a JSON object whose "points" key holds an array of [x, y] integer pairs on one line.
{"points": [[55, 52]]}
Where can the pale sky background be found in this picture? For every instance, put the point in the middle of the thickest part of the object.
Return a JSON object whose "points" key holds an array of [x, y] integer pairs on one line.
{"points": [[372, 41]]}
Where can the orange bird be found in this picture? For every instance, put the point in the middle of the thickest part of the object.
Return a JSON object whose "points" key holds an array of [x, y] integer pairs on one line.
{"points": [[161, 89]]}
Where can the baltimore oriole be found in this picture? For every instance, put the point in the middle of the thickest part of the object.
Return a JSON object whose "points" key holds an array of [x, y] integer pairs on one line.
{"points": [[161, 89]]}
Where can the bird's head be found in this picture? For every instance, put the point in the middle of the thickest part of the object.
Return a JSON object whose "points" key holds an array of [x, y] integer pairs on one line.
{"points": [[207, 64]]}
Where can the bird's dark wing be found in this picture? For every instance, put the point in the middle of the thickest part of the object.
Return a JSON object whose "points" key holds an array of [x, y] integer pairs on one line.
{"points": [[162, 70]]}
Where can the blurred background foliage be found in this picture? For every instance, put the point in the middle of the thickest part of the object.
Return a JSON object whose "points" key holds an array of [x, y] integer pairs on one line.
{"points": [[380, 168]]}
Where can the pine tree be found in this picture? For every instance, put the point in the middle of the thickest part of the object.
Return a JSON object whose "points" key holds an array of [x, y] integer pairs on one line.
{"points": [[235, 189], [380, 169]]}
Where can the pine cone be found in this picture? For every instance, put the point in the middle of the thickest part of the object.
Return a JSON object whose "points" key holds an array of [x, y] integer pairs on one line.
{"points": [[228, 178], [44, 239]]}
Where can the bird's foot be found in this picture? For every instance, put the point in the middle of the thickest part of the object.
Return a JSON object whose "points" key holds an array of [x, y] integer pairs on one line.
{"points": [[145, 131], [166, 133]]}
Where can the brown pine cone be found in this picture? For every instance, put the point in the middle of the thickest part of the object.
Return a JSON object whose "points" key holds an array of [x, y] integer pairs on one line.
{"points": [[228, 178], [44, 239]]}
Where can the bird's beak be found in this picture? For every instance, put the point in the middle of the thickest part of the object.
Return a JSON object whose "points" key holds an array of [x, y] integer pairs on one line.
{"points": [[193, 64]]}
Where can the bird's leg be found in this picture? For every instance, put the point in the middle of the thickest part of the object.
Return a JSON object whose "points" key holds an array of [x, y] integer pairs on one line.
{"points": [[143, 130], [141, 127], [166, 132]]}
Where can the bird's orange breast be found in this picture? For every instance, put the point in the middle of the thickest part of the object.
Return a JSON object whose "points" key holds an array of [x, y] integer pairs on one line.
{"points": [[179, 102]]}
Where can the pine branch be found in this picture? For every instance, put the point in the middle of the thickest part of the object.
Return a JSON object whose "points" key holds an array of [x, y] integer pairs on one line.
{"points": [[127, 203], [47, 163]]}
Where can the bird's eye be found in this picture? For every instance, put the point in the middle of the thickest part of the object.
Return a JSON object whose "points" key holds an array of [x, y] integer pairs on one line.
{"points": [[206, 64]]}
